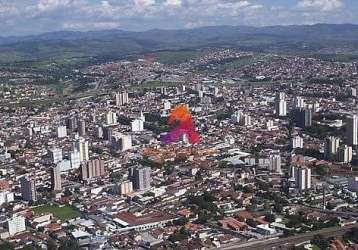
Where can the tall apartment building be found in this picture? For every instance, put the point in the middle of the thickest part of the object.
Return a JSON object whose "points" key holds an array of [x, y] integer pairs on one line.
{"points": [[331, 147], [352, 130], [56, 182], [16, 224], [122, 98], [61, 131], [81, 145], [302, 177], [141, 178], [28, 189], [56, 155], [281, 104], [93, 168]]}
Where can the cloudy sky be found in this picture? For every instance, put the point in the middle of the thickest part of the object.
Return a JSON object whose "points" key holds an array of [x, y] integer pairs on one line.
{"points": [[23, 17]]}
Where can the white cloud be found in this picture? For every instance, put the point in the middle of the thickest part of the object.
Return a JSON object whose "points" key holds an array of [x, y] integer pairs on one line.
{"points": [[143, 3], [321, 5], [173, 3], [45, 5]]}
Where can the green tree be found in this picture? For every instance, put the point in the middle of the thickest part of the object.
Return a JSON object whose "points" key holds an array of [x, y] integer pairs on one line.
{"points": [[6, 246], [270, 218], [320, 241], [251, 222]]}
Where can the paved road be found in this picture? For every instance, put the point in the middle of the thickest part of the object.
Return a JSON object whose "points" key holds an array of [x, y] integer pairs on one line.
{"points": [[289, 241]]}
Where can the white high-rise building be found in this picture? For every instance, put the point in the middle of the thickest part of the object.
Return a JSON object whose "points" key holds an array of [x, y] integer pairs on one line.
{"points": [[16, 224], [137, 125], [345, 154], [111, 118], [297, 142], [331, 147], [275, 163], [126, 187], [75, 158], [281, 104], [81, 145], [122, 98], [299, 102], [302, 177], [142, 117], [236, 117], [352, 130], [245, 120], [122, 142], [56, 155], [167, 105], [6, 197], [61, 131]]}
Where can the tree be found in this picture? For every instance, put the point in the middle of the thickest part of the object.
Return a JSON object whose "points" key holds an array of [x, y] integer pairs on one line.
{"points": [[69, 245], [251, 222], [51, 245], [320, 241], [6, 246], [270, 218]]}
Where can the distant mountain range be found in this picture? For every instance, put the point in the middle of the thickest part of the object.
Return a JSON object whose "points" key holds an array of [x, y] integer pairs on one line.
{"points": [[319, 38]]}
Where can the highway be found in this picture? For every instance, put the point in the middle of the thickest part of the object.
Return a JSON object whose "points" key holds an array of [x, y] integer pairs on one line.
{"points": [[284, 243]]}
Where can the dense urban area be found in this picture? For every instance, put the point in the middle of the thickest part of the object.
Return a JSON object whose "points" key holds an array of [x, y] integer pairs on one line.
{"points": [[83, 166]]}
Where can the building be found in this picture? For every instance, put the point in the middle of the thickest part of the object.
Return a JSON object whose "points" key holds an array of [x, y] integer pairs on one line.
{"points": [[92, 169], [137, 125], [331, 147], [56, 183], [281, 104], [126, 187], [28, 189], [236, 117], [82, 128], [122, 142], [353, 184], [302, 117], [296, 142], [6, 197], [99, 132], [275, 163], [302, 177], [298, 102], [16, 224], [75, 159], [353, 92], [122, 99], [56, 155], [81, 145], [167, 105], [352, 130], [71, 123], [148, 219], [245, 120], [345, 154], [61, 131], [111, 118], [107, 133], [141, 178]]}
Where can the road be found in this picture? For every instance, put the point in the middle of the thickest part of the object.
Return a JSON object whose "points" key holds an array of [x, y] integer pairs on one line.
{"points": [[289, 241]]}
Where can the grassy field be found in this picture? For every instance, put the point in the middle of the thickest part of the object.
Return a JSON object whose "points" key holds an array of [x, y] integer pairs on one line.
{"points": [[63, 213]]}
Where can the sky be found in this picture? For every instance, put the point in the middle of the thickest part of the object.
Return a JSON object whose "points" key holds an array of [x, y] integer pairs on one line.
{"points": [[25, 17]]}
